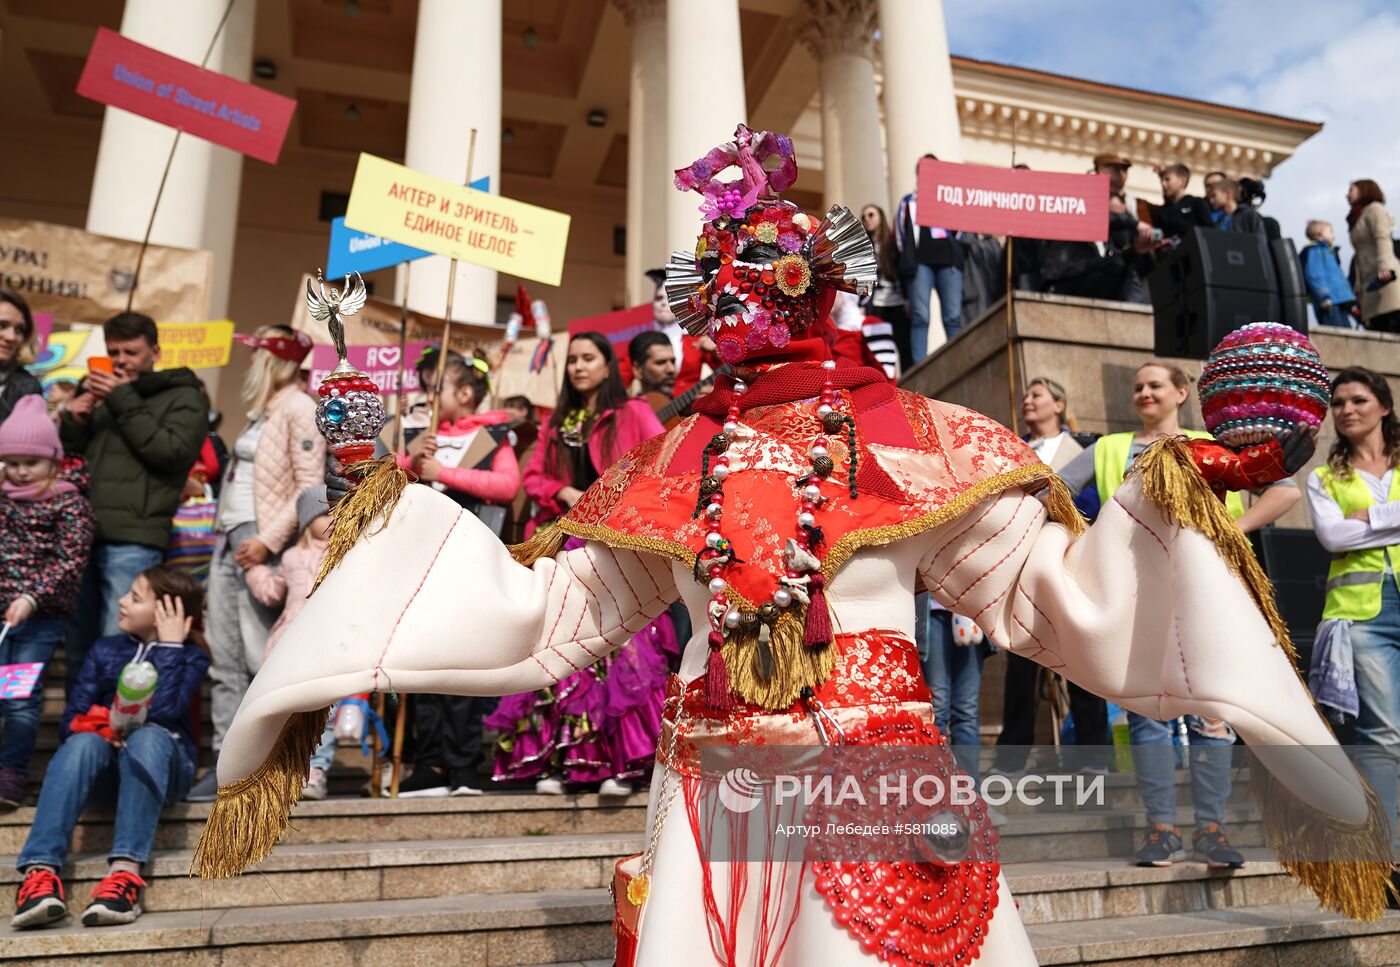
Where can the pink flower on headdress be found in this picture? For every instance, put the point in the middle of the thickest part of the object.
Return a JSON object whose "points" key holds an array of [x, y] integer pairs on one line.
{"points": [[730, 349], [779, 335], [790, 241], [748, 151]]}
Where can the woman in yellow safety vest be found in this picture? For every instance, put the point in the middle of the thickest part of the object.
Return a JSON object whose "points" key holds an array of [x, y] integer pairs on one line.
{"points": [[1159, 391], [1355, 504]]}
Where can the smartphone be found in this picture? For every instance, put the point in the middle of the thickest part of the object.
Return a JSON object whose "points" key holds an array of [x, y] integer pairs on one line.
{"points": [[1376, 284], [100, 364]]}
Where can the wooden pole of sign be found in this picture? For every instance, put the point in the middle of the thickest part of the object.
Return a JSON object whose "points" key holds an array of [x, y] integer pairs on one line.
{"points": [[165, 174], [403, 347], [1010, 299], [432, 428], [447, 315], [374, 749]]}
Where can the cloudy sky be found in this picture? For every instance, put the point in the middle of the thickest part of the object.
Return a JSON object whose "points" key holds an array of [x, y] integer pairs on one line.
{"points": [[1334, 62]]}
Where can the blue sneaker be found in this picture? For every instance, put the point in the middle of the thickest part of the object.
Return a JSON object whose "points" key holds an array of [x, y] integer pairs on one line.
{"points": [[1162, 847]]}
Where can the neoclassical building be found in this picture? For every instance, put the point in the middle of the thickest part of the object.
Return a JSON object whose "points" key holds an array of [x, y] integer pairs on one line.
{"points": [[582, 106]]}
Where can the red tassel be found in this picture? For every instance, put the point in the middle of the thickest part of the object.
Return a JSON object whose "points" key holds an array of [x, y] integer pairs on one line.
{"points": [[717, 676], [817, 632]]}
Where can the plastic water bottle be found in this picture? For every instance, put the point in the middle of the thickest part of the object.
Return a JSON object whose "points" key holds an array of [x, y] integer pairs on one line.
{"points": [[1122, 740], [350, 721], [135, 687], [542, 324]]}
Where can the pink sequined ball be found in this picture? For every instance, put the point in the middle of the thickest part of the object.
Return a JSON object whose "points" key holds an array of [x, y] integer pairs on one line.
{"points": [[1259, 382]]}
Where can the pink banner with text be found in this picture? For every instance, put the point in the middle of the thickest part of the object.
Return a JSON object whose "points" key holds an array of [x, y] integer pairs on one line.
{"points": [[1008, 201]]}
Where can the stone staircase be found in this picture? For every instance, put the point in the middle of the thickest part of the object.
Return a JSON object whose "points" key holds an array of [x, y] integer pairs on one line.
{"points": [[515, 879]]}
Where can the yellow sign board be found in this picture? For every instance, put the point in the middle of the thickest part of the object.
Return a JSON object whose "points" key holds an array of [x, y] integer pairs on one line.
{"points": [[407, 206], [198, 345]]}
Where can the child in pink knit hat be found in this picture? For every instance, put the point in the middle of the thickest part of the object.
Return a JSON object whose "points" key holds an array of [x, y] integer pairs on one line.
{"points": [[46, 532]]}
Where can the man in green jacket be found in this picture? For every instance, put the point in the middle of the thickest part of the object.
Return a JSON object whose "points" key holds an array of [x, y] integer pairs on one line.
{"points": [[140, 432]]}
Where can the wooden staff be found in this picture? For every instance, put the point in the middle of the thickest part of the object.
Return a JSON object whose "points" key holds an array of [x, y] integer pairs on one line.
{"points": [[432, 428], [1010, 300], [447, 315], [169, 160], [403, 344], [374, 746]]}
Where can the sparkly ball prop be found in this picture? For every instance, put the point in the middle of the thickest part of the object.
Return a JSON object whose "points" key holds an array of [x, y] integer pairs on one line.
{"points": [[350, 415], [1259, 382]]}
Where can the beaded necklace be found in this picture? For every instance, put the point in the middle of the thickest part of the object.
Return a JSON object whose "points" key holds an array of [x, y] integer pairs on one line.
{"points": [[803, 584]]}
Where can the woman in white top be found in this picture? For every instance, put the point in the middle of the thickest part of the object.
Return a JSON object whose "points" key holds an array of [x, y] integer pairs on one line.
{"points": [[1355, 503], [1045, 411]]}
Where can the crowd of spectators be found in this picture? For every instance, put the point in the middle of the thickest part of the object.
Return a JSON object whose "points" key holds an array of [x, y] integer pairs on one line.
{"points": [[95, 567], [926, 271]]}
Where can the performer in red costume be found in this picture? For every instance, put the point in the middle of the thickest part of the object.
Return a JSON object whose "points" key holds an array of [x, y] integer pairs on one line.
{"points": [[792, 514]]}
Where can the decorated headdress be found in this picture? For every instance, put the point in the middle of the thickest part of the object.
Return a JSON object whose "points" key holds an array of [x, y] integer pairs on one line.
{"points": [[762, 273]]}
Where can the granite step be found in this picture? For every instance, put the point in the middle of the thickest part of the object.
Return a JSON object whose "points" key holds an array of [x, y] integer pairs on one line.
{"points": [[1272, 935], [485, 930], [368, 871], [344, 820], [1025, 838], [537, 929], [1047, 892]]}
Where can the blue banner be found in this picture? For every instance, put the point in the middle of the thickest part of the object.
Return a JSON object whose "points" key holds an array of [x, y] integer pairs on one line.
{"points": [[352, 251]]}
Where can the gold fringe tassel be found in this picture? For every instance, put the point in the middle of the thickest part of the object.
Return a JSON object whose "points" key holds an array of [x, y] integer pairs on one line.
{"points": [[1355, 876], [250, 815], [1352, 881], [547, 541], [1060, 503], [795, 666], [1171, 481], [381, 484]]}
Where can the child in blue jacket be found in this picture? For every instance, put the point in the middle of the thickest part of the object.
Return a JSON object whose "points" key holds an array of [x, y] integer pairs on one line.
{"points": [[140, 770], [1331, 294]]}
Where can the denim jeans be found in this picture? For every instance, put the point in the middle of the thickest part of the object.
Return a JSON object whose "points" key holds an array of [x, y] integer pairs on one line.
{"points": [[949, 282], [1334, 315], [149, 772], [324, 756], [1154, 759], [1375, 647], [35, 640], [237, 626], [109, 575], [953, 674]]}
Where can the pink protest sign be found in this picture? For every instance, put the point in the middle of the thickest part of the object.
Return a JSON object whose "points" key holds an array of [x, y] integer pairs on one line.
{"points": [[136, 78], [18, 681], [1009, 201], [379, 363]]}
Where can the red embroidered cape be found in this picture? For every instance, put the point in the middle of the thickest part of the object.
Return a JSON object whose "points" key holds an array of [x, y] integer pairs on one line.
{"points": [[920, 462]]}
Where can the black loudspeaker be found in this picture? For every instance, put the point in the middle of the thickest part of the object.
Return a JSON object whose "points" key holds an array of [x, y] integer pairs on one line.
{"points": [[1213, 282], [1292, 291], [1297, 565]]}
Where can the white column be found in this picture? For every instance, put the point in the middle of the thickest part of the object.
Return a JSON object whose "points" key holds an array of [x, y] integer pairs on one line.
{"points": [[456, 86], [840, 35], [704, 98], [920, 111], [199, 208], [648, 176]]}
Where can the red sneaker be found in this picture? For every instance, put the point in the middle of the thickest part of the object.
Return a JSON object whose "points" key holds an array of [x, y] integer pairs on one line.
{"points": [[39, 901], [117, 899]]}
